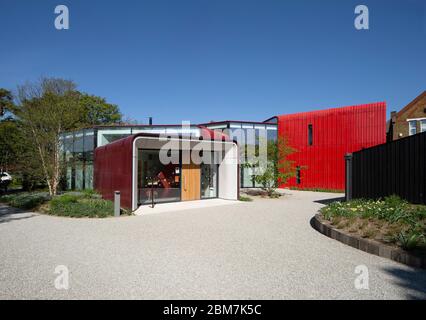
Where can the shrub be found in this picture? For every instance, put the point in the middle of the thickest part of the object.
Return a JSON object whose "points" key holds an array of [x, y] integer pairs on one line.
{"points": [[245, 199], [83, 207], [26, 200], [90, 193], [65, 199], [410, 240]]}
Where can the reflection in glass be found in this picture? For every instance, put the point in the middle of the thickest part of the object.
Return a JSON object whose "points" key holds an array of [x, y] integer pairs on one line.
{"points": [[154, 178], [88, 176], [79, 176], [209, 177]]}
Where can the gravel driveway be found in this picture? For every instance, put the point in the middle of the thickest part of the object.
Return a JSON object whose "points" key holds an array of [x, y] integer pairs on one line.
{"points": [[264, 249]]}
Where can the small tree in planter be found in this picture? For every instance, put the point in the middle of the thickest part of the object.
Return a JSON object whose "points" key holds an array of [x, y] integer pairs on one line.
{"points": [[276, 170]]}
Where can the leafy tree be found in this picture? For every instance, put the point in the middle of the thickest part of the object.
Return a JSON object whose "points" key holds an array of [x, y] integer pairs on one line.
{"points": [[10, 137], [97, 111], [6, 100], [30, 137], [17, 154], [45, 109], [276, 170]]}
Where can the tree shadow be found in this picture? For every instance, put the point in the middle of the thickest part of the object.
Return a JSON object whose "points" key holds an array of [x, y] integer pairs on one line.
{"points": [[331, 200], [8, 214], [412, 280]]}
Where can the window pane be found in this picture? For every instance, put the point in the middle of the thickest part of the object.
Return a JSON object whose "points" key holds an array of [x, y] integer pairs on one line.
{"points": [[209, 176], [310, 135], [79, 176], [412, 127], [423, 126], [89, 142], [163, 181], [68, 147], [69, 177], [88, 176]]}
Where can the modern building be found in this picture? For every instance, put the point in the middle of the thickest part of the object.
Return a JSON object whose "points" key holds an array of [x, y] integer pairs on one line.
{"points": [[79, 146], [322, 138], [134, 166], [126, 158], [409, 120]]}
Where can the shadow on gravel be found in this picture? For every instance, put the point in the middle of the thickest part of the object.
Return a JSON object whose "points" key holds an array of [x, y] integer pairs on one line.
{"points": [[8, 214], [328, 201], [413, 281]]}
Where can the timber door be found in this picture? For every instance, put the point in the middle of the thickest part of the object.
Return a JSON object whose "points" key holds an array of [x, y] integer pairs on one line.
{"points": [[191, 181]]}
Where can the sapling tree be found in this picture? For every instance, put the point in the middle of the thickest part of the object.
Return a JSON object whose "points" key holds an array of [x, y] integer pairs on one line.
{"points": [[275, 169]]}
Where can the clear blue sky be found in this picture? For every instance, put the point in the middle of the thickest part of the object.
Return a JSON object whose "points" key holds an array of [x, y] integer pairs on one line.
{"points": [[208, 60]]}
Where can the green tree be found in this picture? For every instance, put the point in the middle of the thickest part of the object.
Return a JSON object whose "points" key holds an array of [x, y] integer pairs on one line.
{"points": [[97, 111], [10, 143], [45, 109], [6, 101], [276, 169], [30, 136], [17, 154]]}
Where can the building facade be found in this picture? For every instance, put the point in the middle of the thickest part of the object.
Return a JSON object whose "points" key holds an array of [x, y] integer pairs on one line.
{"points": [[79, 146], [322, 138], [137, 167], [408, 121]]}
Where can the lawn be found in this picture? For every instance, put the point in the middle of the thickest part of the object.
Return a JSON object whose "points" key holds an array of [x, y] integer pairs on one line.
{"points": [[70, 204], [390, 220]]}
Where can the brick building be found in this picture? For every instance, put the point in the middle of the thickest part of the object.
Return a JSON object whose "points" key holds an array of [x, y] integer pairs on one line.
{"points": [[409, 120]]}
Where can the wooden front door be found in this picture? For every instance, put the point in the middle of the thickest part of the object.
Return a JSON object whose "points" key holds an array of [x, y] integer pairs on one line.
{"points": [[191, 180]]}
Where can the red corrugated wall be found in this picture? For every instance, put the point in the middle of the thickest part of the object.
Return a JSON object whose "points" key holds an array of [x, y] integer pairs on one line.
{"points": [[335, 132], [113, 170]]}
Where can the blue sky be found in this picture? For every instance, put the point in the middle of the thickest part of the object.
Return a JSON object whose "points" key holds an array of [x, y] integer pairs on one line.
{"points": [[205, 60]]}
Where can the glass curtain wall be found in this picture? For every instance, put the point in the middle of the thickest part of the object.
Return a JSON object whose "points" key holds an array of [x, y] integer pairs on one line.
{"points": [[156, 180], [78, 149], [252, 133], [209, 178]]}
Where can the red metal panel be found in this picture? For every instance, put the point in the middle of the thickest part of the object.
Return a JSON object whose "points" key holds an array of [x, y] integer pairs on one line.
{"points": [[113, 170], [335, 132]]}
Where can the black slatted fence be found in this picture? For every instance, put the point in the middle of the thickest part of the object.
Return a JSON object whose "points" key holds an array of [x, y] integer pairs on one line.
{"points": [[394, 168]]}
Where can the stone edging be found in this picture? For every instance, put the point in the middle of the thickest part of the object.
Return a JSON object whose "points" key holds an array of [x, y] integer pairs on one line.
{"points": [[373, 247]]}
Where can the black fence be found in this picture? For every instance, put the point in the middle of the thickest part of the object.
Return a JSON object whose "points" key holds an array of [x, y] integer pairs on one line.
{"points": [[394, 168]]}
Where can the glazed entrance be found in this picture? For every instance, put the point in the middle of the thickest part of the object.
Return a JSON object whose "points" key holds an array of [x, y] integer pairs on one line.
{"points": [[161, 183], [156, 180]]}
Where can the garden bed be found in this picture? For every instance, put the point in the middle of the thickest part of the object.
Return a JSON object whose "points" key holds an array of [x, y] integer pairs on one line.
{"points": [[391, 221], [71, 204]]}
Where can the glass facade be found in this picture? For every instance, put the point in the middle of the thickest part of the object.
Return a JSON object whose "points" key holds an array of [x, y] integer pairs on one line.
{"points": [[156, 180], [209, 178], [78, 148], [77, 151], [248, 135]]}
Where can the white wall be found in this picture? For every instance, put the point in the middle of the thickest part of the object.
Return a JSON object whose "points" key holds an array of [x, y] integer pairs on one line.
{"points": [[228, 174]]}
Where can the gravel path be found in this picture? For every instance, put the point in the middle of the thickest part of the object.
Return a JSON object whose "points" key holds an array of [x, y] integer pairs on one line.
{"points": [[264, 249]]}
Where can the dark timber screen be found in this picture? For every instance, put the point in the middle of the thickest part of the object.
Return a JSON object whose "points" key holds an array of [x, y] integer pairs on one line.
{"points": [[397, 167]]}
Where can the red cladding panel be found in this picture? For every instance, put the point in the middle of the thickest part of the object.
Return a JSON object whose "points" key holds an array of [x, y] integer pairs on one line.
{"points": [[335, 132], [113, 170]]}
